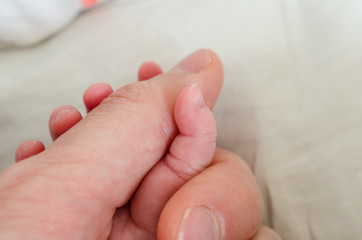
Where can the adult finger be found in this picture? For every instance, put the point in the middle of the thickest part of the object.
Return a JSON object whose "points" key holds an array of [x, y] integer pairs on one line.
{"points": [[135, 124], [97, 165]]}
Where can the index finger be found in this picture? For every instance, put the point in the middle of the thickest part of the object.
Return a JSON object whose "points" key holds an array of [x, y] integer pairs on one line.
{"points": [[132, 128]]}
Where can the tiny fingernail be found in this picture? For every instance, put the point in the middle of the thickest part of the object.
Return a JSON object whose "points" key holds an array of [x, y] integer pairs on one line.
{"points": [[197, 97], [62, 113], [195, 62], [199, 223]]}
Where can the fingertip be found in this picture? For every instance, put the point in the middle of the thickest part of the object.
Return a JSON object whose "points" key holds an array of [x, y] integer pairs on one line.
{"points": [[148, 70], [62, 119], [95, 94], [27, 149]]}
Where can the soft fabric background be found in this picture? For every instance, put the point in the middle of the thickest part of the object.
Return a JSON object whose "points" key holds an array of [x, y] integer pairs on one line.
{"points": [[290, 106]]}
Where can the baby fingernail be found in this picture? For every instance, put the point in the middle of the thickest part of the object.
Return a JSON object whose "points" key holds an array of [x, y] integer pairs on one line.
{"points": [[197, 98], [62, 113], [199, 223]]}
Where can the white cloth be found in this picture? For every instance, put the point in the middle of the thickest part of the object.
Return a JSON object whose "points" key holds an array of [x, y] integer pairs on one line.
{"points": [[290, 105], [24, 22]]}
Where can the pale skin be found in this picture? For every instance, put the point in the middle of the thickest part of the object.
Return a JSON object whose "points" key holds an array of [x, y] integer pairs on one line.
{"points": [[96, 178]]}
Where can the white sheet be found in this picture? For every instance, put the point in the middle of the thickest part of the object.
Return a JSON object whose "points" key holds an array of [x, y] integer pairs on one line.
{"points": [[290, 106]]}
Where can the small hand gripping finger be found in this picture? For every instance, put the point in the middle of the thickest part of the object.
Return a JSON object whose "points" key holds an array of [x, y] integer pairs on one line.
{"points": [[190, 153]]}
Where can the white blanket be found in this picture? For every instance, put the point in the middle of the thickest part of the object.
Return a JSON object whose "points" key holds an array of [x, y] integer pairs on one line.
{"points": [[291, 105]]}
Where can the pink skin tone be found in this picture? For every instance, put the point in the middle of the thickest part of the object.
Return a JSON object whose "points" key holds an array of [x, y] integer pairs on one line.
{"points": [[177, 167], [143, 215], [65, 117]]}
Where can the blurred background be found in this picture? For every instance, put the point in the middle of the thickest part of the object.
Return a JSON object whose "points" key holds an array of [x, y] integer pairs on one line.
{"points": [[291, 105]]}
